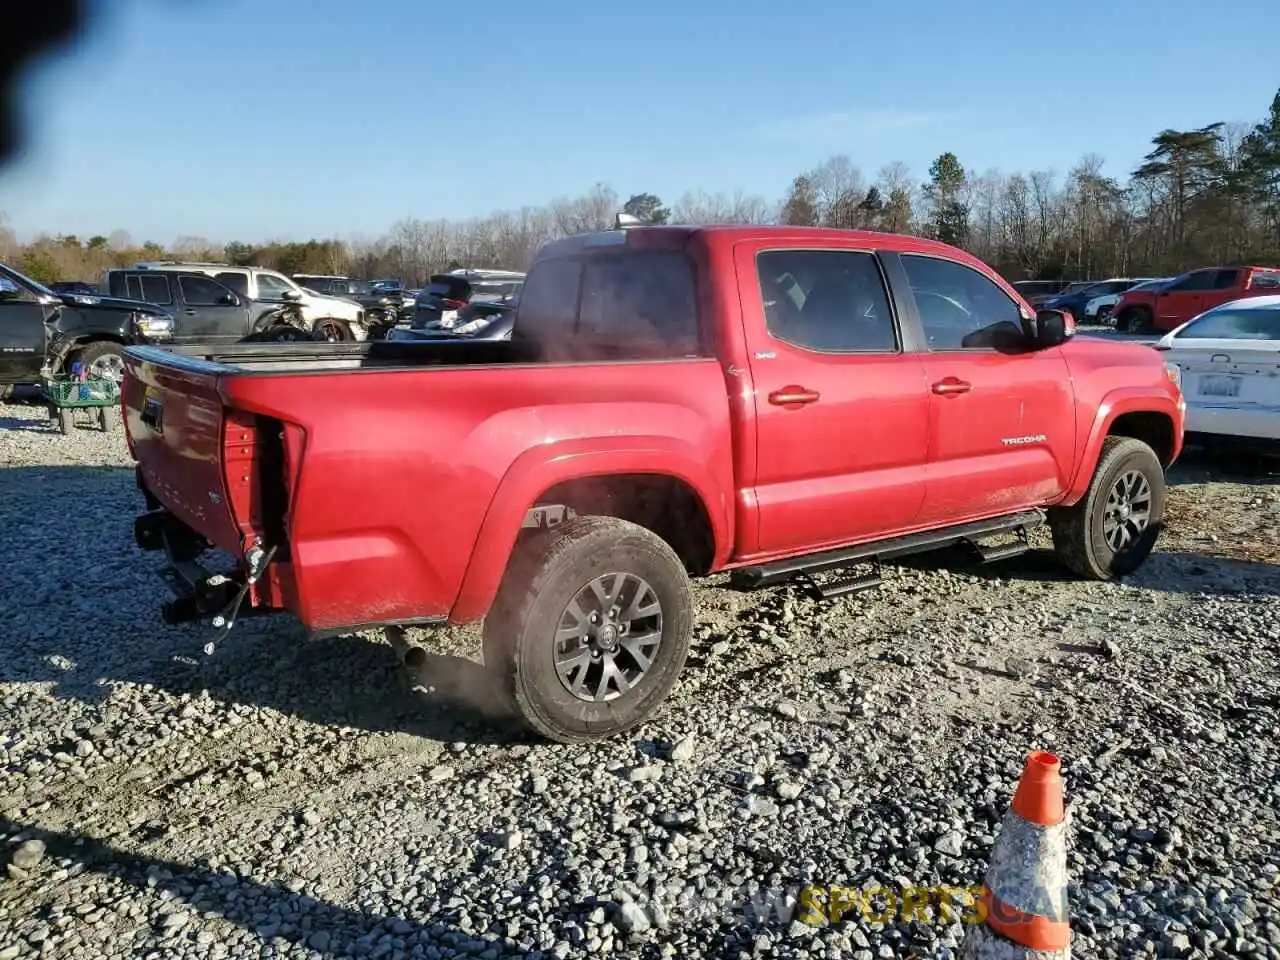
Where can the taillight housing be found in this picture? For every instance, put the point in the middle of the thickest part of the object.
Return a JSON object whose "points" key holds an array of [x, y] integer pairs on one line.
{"points": [[449, 303]]}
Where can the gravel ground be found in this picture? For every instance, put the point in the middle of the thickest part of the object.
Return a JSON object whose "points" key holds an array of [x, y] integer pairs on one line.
{"points": [[290, 797]]}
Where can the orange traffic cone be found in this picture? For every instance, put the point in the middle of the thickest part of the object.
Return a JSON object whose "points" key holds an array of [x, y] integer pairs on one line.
{"points": [[1024, 898]]}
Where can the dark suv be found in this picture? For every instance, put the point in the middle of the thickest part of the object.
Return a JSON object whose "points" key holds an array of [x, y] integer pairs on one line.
{"points": [[204, 310]]}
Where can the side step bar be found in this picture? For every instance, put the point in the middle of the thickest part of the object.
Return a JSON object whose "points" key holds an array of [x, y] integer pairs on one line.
{"points": [[779, 571]]}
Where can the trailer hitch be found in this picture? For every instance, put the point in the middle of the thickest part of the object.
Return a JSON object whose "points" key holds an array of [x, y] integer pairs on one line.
{"points": [[259, 560]]}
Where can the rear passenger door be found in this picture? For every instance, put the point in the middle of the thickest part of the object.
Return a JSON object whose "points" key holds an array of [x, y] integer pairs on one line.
{"points": [[841, 409], [1001, 416], [209, 312]]}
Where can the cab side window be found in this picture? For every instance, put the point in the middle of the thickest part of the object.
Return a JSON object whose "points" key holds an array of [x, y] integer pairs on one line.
{"points": [[1193, 282], [960, 309], [830, 301]]}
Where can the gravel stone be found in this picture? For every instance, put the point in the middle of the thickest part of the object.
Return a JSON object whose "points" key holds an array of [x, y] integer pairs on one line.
{"points": [[28, 855], [683, 749], [285, 797]]}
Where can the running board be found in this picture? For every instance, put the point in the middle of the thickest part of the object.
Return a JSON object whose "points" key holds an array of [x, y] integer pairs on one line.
{"points": [[779, 571]]}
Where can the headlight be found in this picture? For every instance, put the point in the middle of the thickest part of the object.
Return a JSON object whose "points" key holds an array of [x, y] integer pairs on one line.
{"points": [[1175, 374], [157, 325]]}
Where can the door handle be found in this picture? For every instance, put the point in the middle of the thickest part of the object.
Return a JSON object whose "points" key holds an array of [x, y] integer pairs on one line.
{"points": [[189, 313], [793, 395], [951, 386]]}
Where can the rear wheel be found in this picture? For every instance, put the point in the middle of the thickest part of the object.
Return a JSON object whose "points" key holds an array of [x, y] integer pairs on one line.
{"points": [[1113, 529], [590, 629]]}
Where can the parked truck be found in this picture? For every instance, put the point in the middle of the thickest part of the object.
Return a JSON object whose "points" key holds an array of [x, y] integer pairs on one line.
{"points": [[777, 402], [1168, 306]]}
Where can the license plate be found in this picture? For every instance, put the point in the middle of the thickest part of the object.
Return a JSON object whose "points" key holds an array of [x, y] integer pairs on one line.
{"points": [[1219, 385], [153, 410]]}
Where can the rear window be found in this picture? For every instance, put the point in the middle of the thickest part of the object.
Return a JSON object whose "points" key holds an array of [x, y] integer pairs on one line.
{"points": [[155, 288], [1265, 280], [151, 287], [637, 304], [1235, 324], [448, 288], [239, 282]]}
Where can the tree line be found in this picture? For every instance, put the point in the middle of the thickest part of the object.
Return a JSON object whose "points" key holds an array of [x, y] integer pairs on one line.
{"points": [[1204, 196]]}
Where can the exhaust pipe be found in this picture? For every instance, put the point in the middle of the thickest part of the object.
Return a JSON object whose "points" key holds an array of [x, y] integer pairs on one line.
{"points": [[409, 653]]}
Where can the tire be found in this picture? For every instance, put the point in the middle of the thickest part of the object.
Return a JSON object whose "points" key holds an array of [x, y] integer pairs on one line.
{"points": [[333, 331], [106, 356], [548, 574], [1081, 533], [1134, 320]]}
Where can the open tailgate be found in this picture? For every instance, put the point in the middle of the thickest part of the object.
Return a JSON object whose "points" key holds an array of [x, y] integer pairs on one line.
{"points": [[174, 422]]}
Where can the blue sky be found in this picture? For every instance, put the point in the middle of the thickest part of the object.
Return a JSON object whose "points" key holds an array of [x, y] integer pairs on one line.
{"points": [[263, 119]]}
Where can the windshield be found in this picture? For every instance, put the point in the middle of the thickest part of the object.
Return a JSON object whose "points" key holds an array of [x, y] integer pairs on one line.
{"points": [[1077, 287], [1150, 285], [26, 281]]}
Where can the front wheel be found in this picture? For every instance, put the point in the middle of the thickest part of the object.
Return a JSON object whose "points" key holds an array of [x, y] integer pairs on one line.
{"points": [[1114, 527], [103, 358], [334, 331], [590, 629]]}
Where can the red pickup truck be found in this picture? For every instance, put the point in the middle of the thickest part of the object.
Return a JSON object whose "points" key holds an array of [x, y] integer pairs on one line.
{"points": [[1165, 308], [674, 401]]}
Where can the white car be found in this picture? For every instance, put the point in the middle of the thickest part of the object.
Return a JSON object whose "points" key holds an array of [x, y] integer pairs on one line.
{"points": [[1098, 308], [1228, 359]]}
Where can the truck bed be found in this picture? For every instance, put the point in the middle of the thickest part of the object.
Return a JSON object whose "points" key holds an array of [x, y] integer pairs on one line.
{"points": [[373, 484], [324, 357]]}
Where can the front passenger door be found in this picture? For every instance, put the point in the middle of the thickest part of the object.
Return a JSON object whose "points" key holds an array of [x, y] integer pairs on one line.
{"points": [[1001, 416], [22, 333], [210, 311]]}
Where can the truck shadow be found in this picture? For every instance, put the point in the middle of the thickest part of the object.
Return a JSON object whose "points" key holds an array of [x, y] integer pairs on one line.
{"points": [[330, 930], [81, 613]]}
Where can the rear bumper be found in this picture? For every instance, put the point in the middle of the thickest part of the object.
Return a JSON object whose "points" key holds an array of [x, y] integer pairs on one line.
{"points": [[1260, 423]]}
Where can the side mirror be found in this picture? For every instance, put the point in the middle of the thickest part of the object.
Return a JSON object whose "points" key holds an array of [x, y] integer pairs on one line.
{"points": [[1050, 328], [229, 300], [291, 295]]}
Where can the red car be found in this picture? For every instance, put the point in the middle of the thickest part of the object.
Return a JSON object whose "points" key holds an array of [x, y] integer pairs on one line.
{"points": [[1169, 306], [674, 401]]}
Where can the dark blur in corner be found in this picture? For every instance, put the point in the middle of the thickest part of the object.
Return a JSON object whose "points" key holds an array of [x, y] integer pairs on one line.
{"points": [[31, 29]]}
